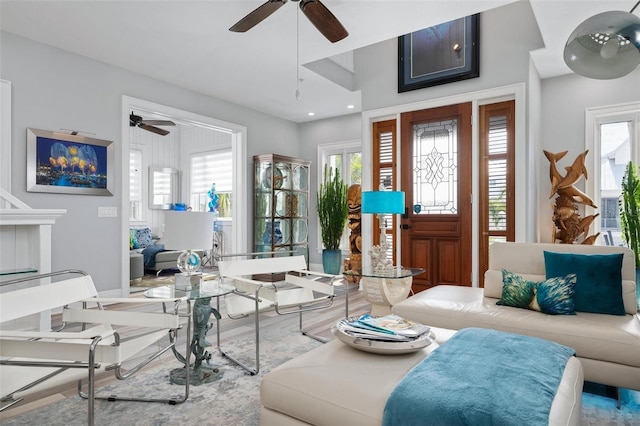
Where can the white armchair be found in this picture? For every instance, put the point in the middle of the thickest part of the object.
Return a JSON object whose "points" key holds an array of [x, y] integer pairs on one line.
{"points": [[301, 291], [33, 360]]}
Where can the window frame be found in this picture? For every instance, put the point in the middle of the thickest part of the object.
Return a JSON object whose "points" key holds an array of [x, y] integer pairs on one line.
{"points": [[486, 112], [189, 187], [594, 118], [344, 148], [144, 182]]}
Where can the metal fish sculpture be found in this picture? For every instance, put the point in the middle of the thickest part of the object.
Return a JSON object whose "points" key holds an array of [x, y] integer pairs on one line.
{"points": [[554, 174], [575, 171]]}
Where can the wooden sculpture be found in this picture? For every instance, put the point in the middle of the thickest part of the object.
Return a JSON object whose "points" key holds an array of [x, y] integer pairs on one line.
{"points": [[354, 202], [569, 225]]}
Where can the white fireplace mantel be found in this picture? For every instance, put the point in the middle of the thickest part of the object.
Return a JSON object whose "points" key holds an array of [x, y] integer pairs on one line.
{"points": [[25, 243]]}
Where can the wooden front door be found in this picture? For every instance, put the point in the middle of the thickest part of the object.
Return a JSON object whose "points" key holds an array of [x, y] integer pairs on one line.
{"points": [[436, 178]]}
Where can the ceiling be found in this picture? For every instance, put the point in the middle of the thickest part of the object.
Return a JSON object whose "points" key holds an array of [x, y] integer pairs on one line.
{"points": [[188, 44]]}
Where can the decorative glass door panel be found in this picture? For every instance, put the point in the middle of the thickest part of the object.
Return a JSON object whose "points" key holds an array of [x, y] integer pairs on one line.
{"points": [[435, 167]]}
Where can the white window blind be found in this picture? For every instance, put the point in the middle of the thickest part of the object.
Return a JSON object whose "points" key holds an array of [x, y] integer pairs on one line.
{"points": [[211, 167]]}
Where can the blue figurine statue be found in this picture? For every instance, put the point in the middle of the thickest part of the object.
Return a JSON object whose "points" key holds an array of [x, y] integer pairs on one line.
{"points": [[213, 204]]}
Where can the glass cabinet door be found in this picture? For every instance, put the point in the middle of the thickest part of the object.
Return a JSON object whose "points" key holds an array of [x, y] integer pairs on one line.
{"points": [[281, 195]]}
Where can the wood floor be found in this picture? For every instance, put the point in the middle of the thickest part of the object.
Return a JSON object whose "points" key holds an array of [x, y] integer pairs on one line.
{"points": [[317, 322]]}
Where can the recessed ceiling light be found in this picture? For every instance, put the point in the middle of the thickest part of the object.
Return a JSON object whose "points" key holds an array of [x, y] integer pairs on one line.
{"points": [[351, 106], [311, 114]]}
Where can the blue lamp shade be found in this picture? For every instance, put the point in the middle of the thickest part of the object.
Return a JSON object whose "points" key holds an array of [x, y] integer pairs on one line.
{"points": [[383, 202]]}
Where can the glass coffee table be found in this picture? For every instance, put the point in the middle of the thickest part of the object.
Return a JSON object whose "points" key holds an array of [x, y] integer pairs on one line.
{"points": [[202, 310], [385, 288]]}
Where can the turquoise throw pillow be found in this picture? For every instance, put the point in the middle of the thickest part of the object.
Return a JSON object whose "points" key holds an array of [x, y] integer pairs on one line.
{"points": [[599, 279], [555, 296], [516, 290]]}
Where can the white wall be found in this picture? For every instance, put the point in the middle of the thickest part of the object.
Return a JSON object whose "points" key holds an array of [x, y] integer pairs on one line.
{"points": [[507, 34], [54, 89], [564, 101]]}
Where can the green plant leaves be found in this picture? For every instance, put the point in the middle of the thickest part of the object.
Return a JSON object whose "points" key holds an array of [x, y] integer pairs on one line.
{"points": [[629, 204], [332, 208]]}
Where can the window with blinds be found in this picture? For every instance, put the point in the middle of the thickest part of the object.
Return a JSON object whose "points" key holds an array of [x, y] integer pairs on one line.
{"points": [[135, 185], [497, 173], [384, 134], [497, 180], [208, 168]]}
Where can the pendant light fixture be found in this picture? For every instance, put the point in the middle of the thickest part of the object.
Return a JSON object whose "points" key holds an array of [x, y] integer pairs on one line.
{"points": [[605, 46], [298, 81]]}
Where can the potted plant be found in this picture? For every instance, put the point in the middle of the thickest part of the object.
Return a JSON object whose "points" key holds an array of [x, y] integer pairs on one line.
{"points": [[332, 212], [629, 213]]}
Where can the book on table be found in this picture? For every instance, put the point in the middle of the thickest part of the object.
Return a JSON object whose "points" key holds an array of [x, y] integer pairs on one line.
{"points": [[388, 328]]}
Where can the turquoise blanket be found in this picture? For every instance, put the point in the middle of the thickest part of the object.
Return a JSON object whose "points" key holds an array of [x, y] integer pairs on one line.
{"points": [[481, 377]]}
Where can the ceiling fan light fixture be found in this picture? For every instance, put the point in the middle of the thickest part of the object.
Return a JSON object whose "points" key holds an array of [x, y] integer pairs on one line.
{"points": [[605, 46]]}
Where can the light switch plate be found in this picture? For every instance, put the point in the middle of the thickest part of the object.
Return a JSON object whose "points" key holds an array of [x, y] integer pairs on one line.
{"points": [[107, 212]]}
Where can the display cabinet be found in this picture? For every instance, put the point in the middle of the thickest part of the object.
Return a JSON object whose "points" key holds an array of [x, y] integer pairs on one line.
{"points": [[281, 205]]}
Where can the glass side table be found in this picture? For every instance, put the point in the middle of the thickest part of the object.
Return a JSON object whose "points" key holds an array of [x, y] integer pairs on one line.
{"points": [[385, 288], [202, 310]]}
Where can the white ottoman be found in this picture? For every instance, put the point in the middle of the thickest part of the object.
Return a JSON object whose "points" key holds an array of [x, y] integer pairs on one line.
{"points": [[336, 384]]}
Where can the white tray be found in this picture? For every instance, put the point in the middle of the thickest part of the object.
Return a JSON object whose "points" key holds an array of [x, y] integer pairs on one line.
{"points": [[380, 347]]}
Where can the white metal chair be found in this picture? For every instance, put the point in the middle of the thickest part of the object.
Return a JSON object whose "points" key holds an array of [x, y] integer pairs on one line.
{"points": [[299, 292], [33, 360]]}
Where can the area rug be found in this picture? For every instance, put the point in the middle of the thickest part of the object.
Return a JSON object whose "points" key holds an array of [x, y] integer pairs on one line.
{"points": [[234, 399]]}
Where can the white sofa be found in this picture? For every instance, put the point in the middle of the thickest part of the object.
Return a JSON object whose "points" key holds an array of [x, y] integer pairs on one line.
{"points": [[608, 346]]}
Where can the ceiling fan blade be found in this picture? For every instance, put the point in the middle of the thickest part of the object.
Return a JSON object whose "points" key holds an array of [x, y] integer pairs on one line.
{"points": [[323, 19], [257, 16], [158, 122], [153, 129]]}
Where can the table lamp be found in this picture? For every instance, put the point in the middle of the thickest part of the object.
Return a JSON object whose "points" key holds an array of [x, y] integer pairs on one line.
{"points": [[381, 203], [188, 231]]}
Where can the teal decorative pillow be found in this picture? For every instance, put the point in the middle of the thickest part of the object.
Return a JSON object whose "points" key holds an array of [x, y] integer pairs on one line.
{"points": [[516, 290], [555, 296], [599, 279], [143, 238]]}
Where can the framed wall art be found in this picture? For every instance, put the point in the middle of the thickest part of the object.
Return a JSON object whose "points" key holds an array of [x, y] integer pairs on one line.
{"points": [[69, 164], [440, 54]]}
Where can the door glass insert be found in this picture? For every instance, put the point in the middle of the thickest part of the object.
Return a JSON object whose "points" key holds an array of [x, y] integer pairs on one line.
{"points": [[435, 167]]}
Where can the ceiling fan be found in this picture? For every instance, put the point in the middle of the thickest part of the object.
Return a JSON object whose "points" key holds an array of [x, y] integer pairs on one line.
{"points": [[314, 10], [150, 125]]}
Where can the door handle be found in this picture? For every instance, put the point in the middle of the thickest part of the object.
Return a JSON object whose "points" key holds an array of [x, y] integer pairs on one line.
{"points": [[405, 226]]}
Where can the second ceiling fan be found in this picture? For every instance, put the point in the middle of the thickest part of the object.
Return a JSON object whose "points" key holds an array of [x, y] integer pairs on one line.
{"points": [[150, 125], [314, 10]]}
